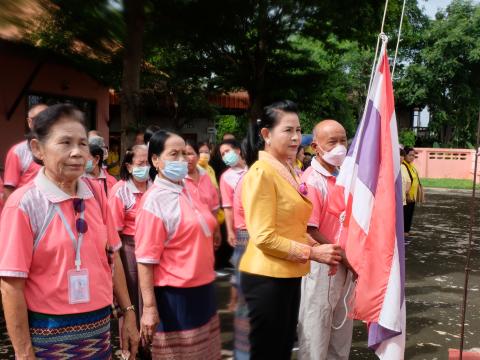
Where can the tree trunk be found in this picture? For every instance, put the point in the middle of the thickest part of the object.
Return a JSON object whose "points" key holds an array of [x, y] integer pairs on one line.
{"points": [[134, 16]]}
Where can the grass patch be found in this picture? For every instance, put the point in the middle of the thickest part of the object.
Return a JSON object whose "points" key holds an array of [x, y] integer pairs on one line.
{"points": [[448, 183]]}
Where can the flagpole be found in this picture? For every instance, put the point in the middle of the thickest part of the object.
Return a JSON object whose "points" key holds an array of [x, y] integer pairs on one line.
{"points": [[470, 239]]}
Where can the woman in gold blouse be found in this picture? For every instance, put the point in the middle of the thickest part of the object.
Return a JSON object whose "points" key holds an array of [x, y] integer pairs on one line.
{"points": [[279, 250]]}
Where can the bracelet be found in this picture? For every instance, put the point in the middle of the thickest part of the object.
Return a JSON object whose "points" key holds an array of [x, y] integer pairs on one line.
{"points": [[129, 308]]}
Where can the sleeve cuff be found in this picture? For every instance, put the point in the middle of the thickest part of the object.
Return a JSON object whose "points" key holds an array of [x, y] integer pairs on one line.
{"points": [[16, 274], [298, 252], [147, 261]]}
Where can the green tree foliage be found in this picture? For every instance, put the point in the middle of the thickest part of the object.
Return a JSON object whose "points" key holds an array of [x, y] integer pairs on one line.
{"points": [[445, 74], [236, 125]]}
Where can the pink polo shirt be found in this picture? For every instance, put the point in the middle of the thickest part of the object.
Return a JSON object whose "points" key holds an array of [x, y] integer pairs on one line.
{"points": [[203, 190], [124, 200], [102, 179], [20, 168], [35, 245], [238, 212], [228, 183], [170, 236], [326, 213]]}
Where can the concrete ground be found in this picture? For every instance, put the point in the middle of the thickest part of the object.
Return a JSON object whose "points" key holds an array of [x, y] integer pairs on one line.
{"points": [[435, 261]]}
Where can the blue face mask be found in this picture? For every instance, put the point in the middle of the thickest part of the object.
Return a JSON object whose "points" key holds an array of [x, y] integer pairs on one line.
{"points": [[231, 158], [140, 173], [89, 166], [175, 170]]}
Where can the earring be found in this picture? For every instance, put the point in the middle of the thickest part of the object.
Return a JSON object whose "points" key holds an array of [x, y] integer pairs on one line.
{"points": [[268, 141]]}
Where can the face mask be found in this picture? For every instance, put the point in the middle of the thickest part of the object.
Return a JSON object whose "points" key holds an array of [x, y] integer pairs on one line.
{"points": [[89, 166], [335, 156], [140, 173], [231, 158], [175, 170], [203, 159]]}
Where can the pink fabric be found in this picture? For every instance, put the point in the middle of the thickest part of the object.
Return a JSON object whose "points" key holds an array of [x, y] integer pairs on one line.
{"points": [[204, 191], [45, 266], [20, 168], [326, 212], [1, 196], [228, 182], [238, 211], [124, 201], [103, 178], [170, 237]]}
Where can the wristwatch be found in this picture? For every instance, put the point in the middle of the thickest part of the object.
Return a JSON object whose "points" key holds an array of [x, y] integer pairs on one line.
{"points": [[129, 308]]}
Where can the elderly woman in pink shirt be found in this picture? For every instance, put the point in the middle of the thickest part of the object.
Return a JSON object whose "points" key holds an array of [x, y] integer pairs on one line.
{"points": [[56, 281], [174, 250]]}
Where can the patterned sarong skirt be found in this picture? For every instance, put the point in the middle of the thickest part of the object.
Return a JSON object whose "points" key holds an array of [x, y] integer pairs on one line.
{"points": [[189, 326], [74, 336]]}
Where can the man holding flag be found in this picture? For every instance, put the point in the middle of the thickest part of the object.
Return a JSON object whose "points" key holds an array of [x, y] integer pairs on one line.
{"points": [[371, 185], [324, 330]]}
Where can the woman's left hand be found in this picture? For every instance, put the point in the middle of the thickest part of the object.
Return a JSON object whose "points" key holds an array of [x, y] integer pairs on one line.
{"points": [[130, 336]]}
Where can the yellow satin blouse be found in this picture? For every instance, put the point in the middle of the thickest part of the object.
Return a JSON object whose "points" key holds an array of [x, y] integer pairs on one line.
{"points": [[276, 216]]}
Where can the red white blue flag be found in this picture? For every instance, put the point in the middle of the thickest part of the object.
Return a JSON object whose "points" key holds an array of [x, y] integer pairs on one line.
{"points": [[370, 179]]}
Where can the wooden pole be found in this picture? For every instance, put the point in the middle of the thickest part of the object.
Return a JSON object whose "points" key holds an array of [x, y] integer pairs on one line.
{"points": [[470, 240]]}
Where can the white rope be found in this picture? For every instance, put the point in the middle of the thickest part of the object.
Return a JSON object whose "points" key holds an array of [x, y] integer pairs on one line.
{"points": [[345, 299], [398, 38], [376, 48]]}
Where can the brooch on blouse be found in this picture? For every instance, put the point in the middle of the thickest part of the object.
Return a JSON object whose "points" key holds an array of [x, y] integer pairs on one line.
{"points": [[303, 189]]}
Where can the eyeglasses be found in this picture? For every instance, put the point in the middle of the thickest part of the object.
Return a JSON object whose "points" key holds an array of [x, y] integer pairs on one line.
{"points": [[79, 207]]}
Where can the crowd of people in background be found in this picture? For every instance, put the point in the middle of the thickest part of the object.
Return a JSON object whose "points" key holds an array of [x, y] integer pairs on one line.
{"points": [[87, 233]]}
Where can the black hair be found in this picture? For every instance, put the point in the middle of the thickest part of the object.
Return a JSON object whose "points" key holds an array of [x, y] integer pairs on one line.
{"points": [[402, 152], [149, 131], [193, 144], [407, 149], [270, 117], [233, 143], [47, 118], [204, 143], [128, 160], [96, 150], [300, 149]]}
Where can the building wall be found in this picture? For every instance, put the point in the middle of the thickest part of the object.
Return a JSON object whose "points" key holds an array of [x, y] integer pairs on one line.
{"points": [[445, 163], [54, 79]]}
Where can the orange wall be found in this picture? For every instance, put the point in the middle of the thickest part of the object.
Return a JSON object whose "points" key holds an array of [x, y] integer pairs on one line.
{"points": [[445, 163], [14, 72]]}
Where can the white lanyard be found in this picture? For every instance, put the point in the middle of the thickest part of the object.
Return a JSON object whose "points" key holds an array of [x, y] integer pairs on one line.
{"points": [[77, 244], [201, 219]]}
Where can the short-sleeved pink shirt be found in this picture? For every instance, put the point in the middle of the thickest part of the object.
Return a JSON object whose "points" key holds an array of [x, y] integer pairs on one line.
{"points": [[326, 215], [35, 245], [1, 195], [228, 183], [20, 168], [238, 212], [169, 235], [203, 190], [124, 199], [103, 179]]}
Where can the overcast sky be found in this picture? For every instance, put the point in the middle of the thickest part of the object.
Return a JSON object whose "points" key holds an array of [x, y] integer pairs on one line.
{"points": [[432, 6]]}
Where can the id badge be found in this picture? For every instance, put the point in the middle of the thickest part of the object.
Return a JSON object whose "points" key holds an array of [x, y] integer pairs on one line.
{"points": [[78, 286]]}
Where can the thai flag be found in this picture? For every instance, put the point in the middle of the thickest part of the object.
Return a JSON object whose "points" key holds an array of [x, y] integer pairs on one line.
{"points": [[371, 182]]}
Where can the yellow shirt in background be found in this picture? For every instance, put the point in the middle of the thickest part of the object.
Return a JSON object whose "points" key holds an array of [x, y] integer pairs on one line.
{"points": [[112, 158], [276, 216]]}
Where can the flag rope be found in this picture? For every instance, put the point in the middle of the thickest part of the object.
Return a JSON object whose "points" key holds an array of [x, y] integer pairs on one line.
{"points": [[398, 37]]}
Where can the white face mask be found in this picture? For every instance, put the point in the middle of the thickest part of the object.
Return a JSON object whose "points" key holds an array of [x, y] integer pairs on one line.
{"points": [[336, 156]]}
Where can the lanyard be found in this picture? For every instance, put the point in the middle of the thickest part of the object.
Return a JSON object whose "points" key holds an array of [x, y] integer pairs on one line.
{"points": [[77, 244], [201, 219]]}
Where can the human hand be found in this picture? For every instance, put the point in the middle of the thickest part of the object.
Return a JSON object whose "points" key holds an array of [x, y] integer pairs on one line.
{"points": [[217, 239], [326, 253], [130, 336], [232, 239], [148, 323]]}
